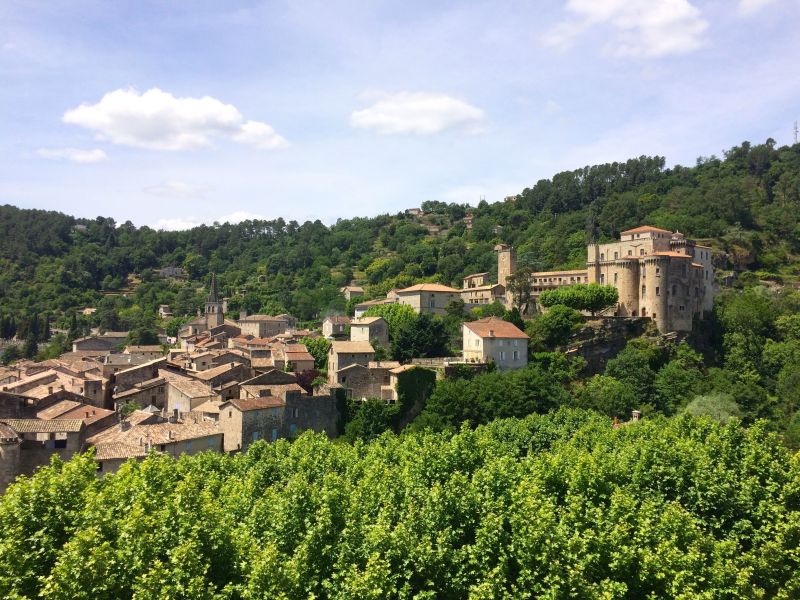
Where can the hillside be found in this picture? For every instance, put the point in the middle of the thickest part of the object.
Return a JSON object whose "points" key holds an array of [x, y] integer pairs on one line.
{"points": [[746, 205]]}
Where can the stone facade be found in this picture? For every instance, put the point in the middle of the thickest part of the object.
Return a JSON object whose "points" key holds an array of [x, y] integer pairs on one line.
{"points": [[370, 329], [495, 340], [657, 273], [344, 354], [429, 298]]}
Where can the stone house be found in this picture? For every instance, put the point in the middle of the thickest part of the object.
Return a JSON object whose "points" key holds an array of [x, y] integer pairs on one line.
{"points": [[478, 290], [344, 354], [185, 394], [108, 341], [351, 291], [152, 392], [493, 339], [128, 378], [363, 307], [428, 298], [296, 356], [148, 352], [41, 439], [366, 381], [262, 326], [94, 419], [335, 326], [244, 421], [126, 440], [370, 329]]}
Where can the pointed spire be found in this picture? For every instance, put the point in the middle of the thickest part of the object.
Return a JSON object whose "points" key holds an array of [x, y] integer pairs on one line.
{"points": [[213, 293]]}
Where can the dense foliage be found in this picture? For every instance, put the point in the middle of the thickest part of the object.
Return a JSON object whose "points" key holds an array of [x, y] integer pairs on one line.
{"points": [[549, 506], [591, 297]]}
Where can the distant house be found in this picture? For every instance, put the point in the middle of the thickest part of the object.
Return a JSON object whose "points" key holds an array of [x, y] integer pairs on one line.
{"points": [[370, 329], [108, 341], [344, 354], [493, 339], [363, 307], [367, 381], [335, 325], [262, 326], [428, 298], [148, 352], [164, 311], [40, 439], [351, 291]]}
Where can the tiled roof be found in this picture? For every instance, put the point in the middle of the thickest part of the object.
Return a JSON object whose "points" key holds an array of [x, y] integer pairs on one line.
{"points": [[646, 229], [79, 412], [155, 348], [56, 410], [186, 385], [383, 364], [117, 450], [262, 318], [366, 321], [475, 275], [42, 426], [6, 433], [260, 403], [216, 371], [377, 302], [338, 320], [403, 369], [495, 327], [428, 287], [352, 348], [157, 433]]}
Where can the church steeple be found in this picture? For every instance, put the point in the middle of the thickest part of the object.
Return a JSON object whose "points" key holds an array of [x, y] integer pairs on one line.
{"points": [[214, 313]]}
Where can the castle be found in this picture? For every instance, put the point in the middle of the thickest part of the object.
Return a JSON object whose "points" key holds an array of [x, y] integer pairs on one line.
{"points": [[658, 273]]}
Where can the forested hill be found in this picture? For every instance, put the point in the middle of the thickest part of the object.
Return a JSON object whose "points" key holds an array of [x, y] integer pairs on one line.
{"points": [[746, 205]]}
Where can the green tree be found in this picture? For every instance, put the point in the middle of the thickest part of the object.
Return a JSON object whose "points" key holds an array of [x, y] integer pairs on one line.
{"points": [[608, 396], [592, 297]]}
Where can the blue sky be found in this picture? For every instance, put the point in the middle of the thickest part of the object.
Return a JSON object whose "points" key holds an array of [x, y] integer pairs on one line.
{"points": [[174, 113]]}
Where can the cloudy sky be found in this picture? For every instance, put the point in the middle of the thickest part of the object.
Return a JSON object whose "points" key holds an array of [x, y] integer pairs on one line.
{"points": [[174, 113]]}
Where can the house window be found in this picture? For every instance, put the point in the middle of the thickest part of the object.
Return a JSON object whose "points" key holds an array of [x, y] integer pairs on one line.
{"points": [[292, 429], [477, 343], [274, 434], [295, 412], [230, 414], [602, 256], [256, 435], [502, 355], [658, 291], [641, 252], [516, 354], [616, 255]]}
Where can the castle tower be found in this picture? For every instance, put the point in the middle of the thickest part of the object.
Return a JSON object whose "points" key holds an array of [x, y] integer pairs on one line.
{"points": [[506, 262], [656, 281], [506, 266], [593, 262], [215, 314]]}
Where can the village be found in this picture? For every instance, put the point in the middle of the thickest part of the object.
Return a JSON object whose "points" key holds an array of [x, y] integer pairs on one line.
{"points": [[224, 384]]}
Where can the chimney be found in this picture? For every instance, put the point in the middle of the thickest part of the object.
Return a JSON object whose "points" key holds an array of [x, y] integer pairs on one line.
{"points": [[170, 435], [491, 333], [88, 414], [49, 390], [174, 418], [636, 415]]}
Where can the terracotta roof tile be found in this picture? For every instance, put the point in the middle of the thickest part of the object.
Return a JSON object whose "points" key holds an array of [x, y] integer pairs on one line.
{"points": [[495, 327]]}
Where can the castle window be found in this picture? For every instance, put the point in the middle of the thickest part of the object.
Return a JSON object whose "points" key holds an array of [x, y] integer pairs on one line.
{"points": [[630, 252], [641, 252], [616, 255], [644, 290], [658, 271], [681, 308], [602, 256], [615, 277], [674, 289], [658, 291], [602, 277]]}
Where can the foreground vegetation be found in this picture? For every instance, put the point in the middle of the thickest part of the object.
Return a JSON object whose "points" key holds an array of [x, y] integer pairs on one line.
{"points": [[547, 506]]}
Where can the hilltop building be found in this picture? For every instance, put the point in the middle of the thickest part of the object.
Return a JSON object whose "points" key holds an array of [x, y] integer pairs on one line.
{"points": [[658, 273]]}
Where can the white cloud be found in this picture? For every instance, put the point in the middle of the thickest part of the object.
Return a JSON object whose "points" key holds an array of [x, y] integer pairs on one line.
{"points": [[177, 189], [73, 154], [238, 216], [182, 223], [176, 224], [748, 7], [418, 113], [160, 121], [643, 28]]}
